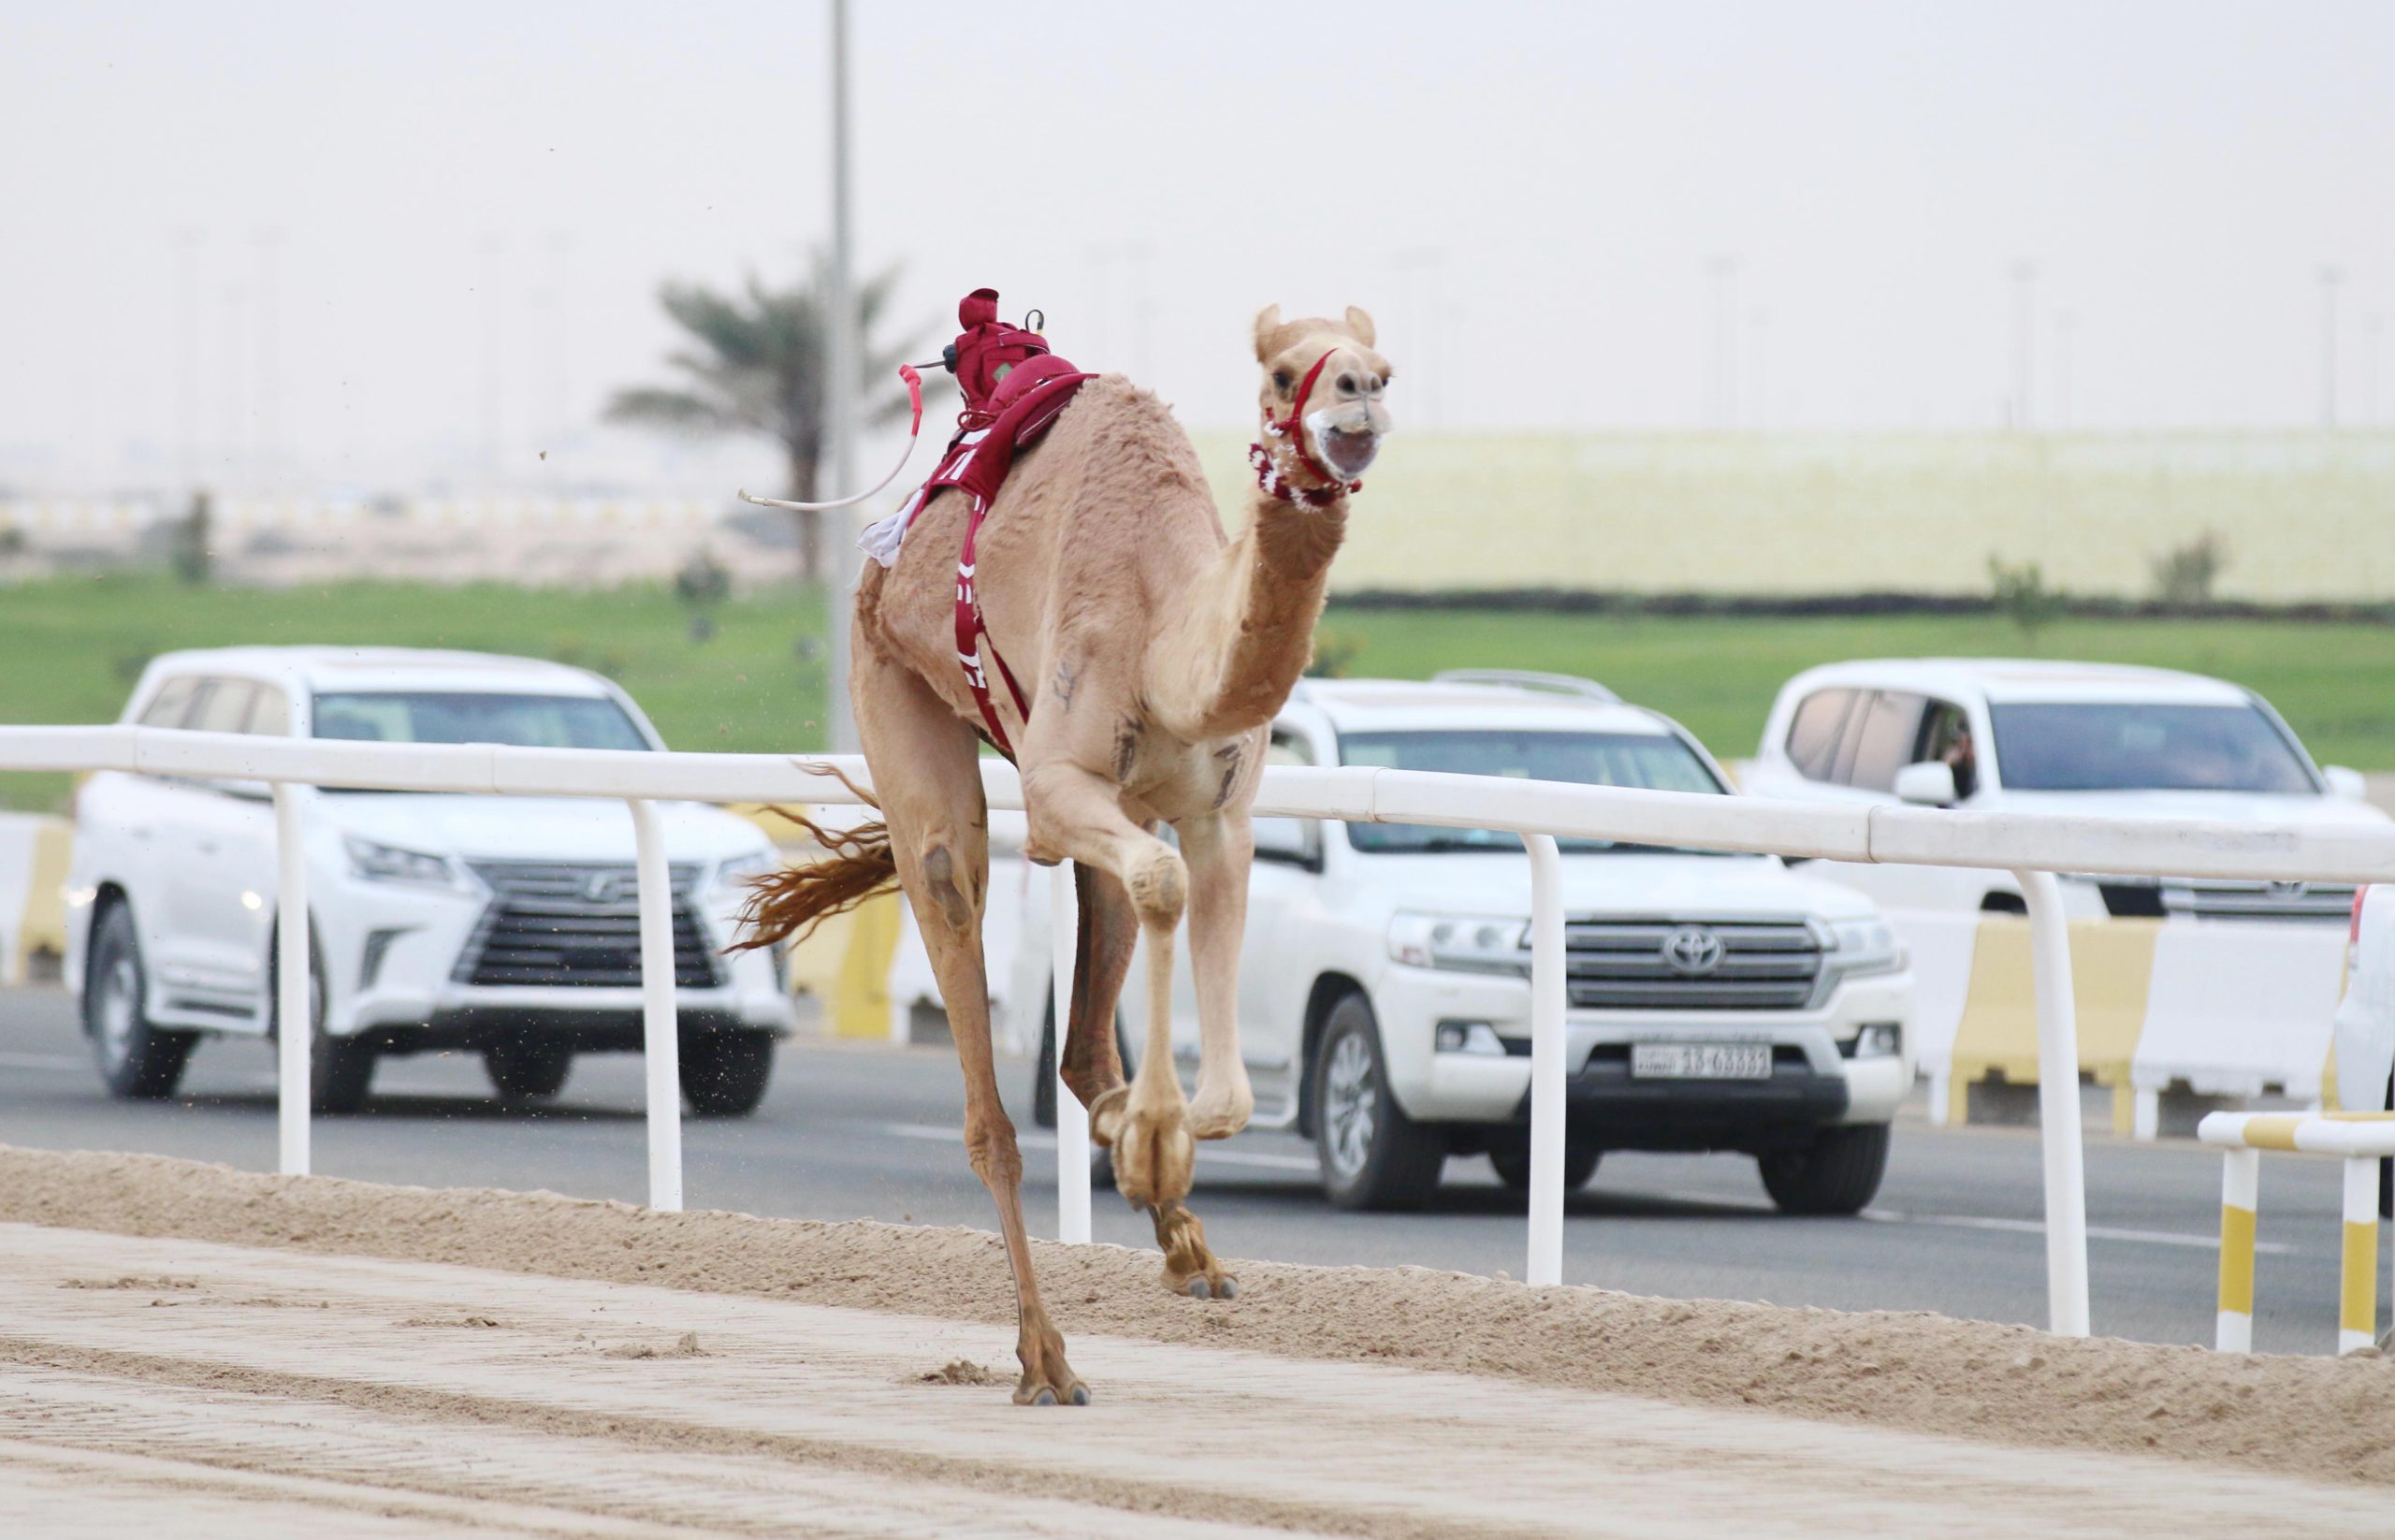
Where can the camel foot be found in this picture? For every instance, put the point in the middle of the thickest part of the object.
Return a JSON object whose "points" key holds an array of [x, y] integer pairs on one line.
{"points": [[1189, 1267], [1047, 1378], [1220, 1110], [1153, 1155], [1106, 1116]]}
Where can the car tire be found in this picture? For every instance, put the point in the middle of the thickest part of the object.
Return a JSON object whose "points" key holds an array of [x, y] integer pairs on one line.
{"points": [[1837, 1173], [137, 1062], [1043, 1074], [1371, 1155], [1512, 1162], [725, 1074], [340, 1071], [526, 1066]]}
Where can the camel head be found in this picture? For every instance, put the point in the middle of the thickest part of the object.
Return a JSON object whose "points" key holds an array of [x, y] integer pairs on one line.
{"points": [[1342, 420]]}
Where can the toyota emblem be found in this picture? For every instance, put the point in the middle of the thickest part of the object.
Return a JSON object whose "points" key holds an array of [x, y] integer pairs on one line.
{"points": [[1693, 951], [602, 888]]}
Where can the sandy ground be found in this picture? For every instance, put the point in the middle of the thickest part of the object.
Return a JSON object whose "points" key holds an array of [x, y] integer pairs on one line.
{"points": [[594, 1356]]}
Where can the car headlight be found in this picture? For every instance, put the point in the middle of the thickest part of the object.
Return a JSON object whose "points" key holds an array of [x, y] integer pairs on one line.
{"points": [[738, 871], [1463, 943], [389, 863], [1865, 946]]}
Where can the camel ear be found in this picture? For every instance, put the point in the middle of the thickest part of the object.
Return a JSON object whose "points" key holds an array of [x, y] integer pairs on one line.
{"points": [[1268, 321], [1360, 325]]}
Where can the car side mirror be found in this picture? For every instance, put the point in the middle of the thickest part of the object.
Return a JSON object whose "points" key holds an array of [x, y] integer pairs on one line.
{"points": [[1927, 784], [2345, 782]]}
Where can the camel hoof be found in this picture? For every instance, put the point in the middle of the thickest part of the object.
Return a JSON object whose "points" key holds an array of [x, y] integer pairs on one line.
{"points": [[1199, 1289], [1230, 1286], [1043, 1397], [1081, 1395]]}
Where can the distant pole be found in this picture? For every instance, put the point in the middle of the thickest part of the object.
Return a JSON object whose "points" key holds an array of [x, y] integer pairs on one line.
{"points": [[2372, 328], [489, 281], [186, 244], [2331, 276], [2025, 340], [2065, 328], [840, 393], [1722, 373], [269, 385]]}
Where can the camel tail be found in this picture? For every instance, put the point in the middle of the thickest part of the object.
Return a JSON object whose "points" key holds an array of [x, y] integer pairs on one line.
{"points": [[788, 904]]}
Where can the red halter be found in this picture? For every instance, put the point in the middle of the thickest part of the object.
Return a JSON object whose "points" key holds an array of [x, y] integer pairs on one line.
{"points": [[1292, 427]]}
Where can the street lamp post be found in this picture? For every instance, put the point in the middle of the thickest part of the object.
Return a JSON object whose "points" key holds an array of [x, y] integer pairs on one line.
{"points": [[840, 396]]}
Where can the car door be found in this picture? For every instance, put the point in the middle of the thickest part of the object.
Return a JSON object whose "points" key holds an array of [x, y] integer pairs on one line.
{"points": [[217, 899], [1281, 890]]}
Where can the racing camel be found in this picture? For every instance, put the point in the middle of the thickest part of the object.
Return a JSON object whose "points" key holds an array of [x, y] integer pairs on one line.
{"points": [[1143, 654]]}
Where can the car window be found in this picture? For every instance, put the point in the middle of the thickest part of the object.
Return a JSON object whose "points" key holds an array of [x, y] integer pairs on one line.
{"points": [[1816, 730], [1659, 762], [1884, 744], [1289, 838], [1946, 736], [2145, 746], [167, 707], [526, 721], [269, 713], [222, 707]]}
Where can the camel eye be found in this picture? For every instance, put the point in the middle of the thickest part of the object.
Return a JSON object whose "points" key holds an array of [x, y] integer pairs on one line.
{"points": [[1282, 380]]}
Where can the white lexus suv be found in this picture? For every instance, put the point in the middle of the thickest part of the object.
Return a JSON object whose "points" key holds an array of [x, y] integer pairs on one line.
{"points": [[1717, 1002], [507, 925]]}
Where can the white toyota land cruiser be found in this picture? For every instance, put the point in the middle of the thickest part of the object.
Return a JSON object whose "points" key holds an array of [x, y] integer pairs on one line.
{"points": [[1717, 1002]]}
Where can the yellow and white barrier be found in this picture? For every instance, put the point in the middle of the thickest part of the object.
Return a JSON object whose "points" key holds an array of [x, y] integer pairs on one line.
{"points": [[2362, 1139], [2229, 1007], [33, 853]]}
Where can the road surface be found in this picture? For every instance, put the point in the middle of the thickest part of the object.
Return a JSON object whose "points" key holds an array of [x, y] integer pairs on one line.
{"points": [[852, 1131]]}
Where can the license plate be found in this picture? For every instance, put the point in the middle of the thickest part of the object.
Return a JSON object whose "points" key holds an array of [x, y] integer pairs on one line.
{"points": [[1699, 1061]]}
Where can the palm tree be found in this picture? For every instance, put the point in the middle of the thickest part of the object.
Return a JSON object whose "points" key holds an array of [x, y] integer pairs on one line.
{"points": [[759, 365]]}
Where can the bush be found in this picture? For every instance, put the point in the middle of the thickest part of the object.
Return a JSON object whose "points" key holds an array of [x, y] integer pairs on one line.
{"points": [[192, 556], [2020, 596], [2184, 576], [1334, 654]]}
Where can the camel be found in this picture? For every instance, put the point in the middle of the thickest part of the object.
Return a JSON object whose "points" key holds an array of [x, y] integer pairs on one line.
{"points": [[1153, 652]]}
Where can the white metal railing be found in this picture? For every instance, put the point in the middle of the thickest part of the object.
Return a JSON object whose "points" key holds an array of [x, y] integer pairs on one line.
{"points": [[2033, 846]]}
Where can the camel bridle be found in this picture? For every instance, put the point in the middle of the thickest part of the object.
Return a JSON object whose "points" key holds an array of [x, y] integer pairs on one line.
{"points": [[1292, 427]]}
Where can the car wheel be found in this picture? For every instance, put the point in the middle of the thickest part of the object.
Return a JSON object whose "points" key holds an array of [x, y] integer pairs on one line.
{"points": [[340, 1071], [1512, 1159], [725, 1074], [137, 1062], [1838, 1172], [524, 1066], [1043, 1075], [1371, 1154]]}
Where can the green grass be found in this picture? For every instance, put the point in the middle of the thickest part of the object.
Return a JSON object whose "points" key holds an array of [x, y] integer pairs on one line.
{"points": [[70, 648]]}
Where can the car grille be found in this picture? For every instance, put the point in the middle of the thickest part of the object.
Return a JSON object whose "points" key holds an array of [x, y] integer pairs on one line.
{"points": [[1619, 965], [576, 924], [2320, 903]]}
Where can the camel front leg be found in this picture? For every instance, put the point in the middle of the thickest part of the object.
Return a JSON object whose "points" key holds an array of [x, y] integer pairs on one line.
{"points": [[1219, 848]]}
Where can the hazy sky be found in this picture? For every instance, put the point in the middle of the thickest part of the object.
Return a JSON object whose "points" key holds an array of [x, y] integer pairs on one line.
{"points": [[460, 214]]}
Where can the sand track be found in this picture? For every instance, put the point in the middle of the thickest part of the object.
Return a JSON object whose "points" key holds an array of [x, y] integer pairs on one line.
{"points": [[331, 1383]]}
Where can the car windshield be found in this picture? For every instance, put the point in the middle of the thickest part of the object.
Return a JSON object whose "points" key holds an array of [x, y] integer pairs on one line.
{"points": [[520, 722], [2145, 747], [1656, 761]]}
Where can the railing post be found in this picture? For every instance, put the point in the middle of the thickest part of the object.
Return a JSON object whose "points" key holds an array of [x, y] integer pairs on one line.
{"points": [[1547, 996], [2058, 1128], [295, 1024], [2240, 1182], [2358, 1292], [1072, 1118], [660, 1035]]}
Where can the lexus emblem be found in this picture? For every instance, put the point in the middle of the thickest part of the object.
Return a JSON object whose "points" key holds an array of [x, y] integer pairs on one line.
{"points": [[1693, 951], [602, 888]]}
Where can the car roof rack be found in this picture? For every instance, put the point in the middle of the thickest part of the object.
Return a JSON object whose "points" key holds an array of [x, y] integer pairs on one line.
{"points": [[1528, 679]]}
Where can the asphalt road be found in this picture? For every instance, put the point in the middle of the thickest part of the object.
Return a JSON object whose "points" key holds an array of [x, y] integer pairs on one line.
{"points": [[872, 1132]]}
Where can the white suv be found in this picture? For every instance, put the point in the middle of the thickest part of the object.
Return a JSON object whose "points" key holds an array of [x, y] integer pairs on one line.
{"points": [[503, 925], [1717, 1002], [2103, 739]]}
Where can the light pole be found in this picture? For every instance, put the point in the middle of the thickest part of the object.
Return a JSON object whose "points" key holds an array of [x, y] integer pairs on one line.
{"points": [[1722, 375], [839, 396], [2331, 276], [2025, 338]]}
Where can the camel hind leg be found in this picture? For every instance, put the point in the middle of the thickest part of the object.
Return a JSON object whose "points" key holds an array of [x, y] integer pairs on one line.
{"points": [[928, 776], [1090, 1062]]}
